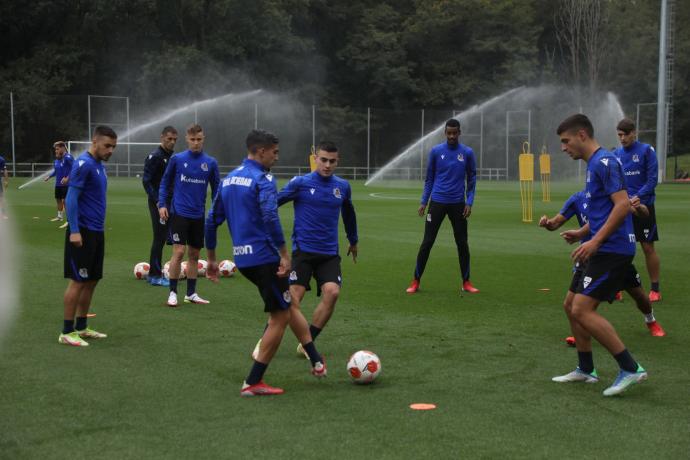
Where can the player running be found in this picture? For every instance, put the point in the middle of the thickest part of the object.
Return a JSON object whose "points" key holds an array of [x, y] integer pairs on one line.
{"points": [[248, 200], [642, 172], [85, 238], [319, 198], [188, 175], [609, 254], [574, 206], [154, 167], [62, 166], [451, 164]]}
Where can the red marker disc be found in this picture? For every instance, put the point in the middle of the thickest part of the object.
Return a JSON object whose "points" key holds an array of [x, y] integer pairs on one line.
{"points": [[422, 406]]}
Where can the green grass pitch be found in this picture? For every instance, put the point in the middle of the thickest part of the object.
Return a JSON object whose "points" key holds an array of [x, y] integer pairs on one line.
{"points": [[165, 384]]}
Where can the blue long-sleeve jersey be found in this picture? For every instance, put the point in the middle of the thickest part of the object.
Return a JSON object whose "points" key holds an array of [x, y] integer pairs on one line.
{"points": [[575, 206], [447, 170], [191, 174], [318, 203], [605, 177], [61, 169], [641, 170], [248, 200]]}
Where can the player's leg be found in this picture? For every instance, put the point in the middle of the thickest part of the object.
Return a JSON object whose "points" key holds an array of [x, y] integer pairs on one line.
{"points": [[95, 244], [300, 327], [329, 278], [434, 217], [192, 272], [160, 231], [179, 229], [459, 223], [653, 263], [634, 288]]}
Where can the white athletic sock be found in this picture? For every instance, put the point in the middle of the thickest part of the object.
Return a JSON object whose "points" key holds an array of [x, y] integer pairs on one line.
{"points": [[649, 318], [60, 214]]}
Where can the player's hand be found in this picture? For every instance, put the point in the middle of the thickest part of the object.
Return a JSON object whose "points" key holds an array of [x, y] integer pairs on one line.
{"points": [[421, 210], [46, 179], [635, 201], [543, 221], [352, 250], [585, 251], [64, 180], [212, 271], [571, 236], [75, 239], [284, 267], [467, 211], [163, 213]]}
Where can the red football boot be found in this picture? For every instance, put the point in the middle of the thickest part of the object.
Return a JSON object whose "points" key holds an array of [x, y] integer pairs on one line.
{"points": [[467, 287], [654, 296], [260, 389], [655, 329], [619, 296], [570, 341], [414, 287]]}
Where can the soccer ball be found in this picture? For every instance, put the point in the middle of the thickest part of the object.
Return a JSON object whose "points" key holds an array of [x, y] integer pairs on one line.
{"points": [[183, 270], [141, 270], [227, 268], [364, 366], [202, 266]]}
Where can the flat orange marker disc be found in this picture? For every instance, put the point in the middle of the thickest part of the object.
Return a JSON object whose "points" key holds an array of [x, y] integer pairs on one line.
{"points": [[90, 315], [544, 289], [422, 406]]}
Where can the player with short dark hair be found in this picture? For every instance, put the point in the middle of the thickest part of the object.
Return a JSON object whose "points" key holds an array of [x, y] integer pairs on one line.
{"points": [[319, 199], [575, 206], [85, 238], [248, 200], [450, 165], [154, 168], [3, 185], [608, 253], [641, 173], [62, 166], [189, 175]]}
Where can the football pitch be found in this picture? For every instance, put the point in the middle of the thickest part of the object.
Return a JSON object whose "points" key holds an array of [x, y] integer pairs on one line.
{"points": [[165, 383]]}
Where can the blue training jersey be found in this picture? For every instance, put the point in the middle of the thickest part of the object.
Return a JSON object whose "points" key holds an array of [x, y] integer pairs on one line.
{"points": [[574, 206], [3, 165], [318, 203], [88, 175], [641, 170], [605, 177], [61, 169], [248, 200], [190, 175], [447, 170]]}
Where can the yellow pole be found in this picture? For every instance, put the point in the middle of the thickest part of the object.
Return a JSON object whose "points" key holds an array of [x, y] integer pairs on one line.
{"points": [[526, 167], [545, 172]]}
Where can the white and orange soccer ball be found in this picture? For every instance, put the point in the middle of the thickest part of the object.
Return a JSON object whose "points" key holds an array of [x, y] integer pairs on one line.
{"points": [[141, 270], [227, 268], [364, 366], [202, 266], [183, 270]]}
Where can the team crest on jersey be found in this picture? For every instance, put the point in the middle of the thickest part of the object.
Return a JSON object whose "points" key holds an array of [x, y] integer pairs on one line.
{"points": [[185, 165], [586, 281], [336, 192], [269, 177], [84, 273], [81, 162], [460, 157], [646, 233], [584, 205], [443, 157], [150, 156], [605, 161], [312, 190], [165, 160], [636, 158], [204, 167]]}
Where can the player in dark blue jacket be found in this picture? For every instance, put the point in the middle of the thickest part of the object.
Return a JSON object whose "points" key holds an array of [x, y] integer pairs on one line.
{"points": [[3, 185], [154, 167], [62, 166], [248, 200], [608, 253], [189, 175], [450, 165], [641, 175], [319, 200], [85, 237]]}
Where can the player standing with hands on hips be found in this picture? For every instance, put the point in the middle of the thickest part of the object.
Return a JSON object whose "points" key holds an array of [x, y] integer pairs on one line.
{"points": [[62, 166], [450, 166], [189, 173], [85, 237]]}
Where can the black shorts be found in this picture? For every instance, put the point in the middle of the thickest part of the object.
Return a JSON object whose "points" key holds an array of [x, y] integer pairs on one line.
{"points": [[184, 230], [274, 290], [85, 263], [60, 193], [325, 268], [577, 276], [645, 227], [606, 274]]}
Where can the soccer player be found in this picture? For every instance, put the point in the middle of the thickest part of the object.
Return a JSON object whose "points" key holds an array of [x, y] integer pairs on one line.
{"points": [[642, 172], [154, 167], [84, 239], [3, 185], [248, 200], [574, 206], [62, 166], [451, 164], [609, 254], [319, 199], [189, 174]]}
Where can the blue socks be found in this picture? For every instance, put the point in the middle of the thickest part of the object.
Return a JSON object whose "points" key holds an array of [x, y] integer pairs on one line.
{"points": [[314, 331], [314, 355], [173, 285], [67, 326], [191, 286], [626, 361], [257, 373], [585, 361]]}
